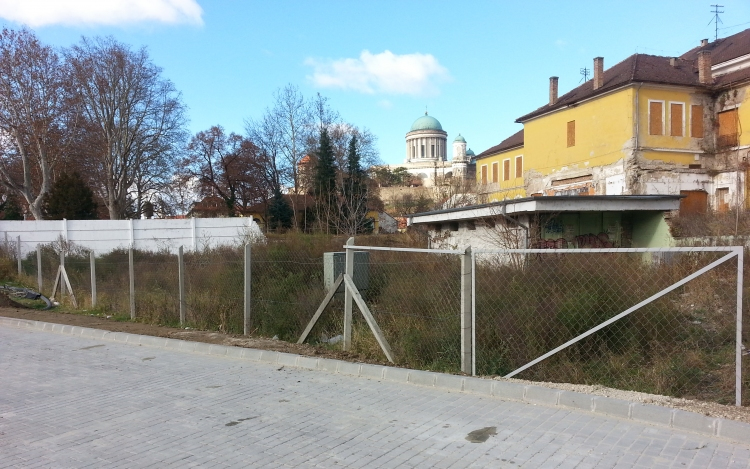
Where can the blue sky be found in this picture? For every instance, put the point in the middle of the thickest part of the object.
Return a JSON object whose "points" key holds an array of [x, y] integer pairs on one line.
{"points": [[476, 66]]}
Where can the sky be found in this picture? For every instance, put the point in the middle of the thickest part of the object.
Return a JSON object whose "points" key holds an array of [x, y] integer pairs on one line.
{"points": [[476, 66]]}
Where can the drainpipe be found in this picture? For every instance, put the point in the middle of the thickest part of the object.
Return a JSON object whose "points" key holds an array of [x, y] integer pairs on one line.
{"points": [[525, 228]]}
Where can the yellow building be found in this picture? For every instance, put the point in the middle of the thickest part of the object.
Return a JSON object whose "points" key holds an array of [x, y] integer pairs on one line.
{"points": [[647, 125]]}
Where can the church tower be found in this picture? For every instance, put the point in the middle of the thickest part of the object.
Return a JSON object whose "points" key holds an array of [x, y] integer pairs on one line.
{"points": [[460, 162]]}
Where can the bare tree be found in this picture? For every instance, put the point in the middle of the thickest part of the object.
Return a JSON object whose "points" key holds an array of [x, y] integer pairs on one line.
{"points": [[224, 166], [137, 116], [32, 116]]}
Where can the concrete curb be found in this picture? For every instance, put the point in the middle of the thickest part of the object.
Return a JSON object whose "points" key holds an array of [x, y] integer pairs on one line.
{"points": [[530, 394]]}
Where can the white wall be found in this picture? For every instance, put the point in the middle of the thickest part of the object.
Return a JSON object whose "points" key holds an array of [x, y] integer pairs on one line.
{"points": [[103, 236]]}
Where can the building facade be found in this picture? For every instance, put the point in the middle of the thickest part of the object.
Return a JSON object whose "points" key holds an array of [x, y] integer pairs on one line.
{"points": [[427, 154], [648, 125]]}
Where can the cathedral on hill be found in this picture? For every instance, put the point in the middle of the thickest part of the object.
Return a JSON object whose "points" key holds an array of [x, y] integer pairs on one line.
{"points": [[427, 154]]}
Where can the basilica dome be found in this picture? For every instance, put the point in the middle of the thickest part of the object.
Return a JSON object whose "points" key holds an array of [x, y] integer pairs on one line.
{"points": [[426, 123]]}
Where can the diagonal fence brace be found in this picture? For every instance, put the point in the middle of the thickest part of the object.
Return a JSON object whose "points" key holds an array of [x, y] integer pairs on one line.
{"points": [[606, 323]]}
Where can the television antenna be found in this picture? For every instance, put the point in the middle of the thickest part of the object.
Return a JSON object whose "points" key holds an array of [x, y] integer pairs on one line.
{"points": [[716, 20], [584, 74]]}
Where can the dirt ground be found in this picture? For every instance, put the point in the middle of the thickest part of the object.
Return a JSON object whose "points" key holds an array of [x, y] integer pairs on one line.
{"points": [[10, 309]]}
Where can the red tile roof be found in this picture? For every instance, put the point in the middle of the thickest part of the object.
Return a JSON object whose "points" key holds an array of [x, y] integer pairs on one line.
{"points": [[723, 49], [515, 140]]}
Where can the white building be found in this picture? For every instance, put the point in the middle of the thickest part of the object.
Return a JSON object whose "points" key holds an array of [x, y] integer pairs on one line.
{"points": [[427, 153]]}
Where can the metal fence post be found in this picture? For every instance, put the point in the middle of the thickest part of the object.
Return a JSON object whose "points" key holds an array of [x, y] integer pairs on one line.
{"points": [[18, 255], [132, 283], [92, 261], [466, 310], [738, 351], [248, 289], [62, 267], [348, 296], [181, 281], [39, 267]]}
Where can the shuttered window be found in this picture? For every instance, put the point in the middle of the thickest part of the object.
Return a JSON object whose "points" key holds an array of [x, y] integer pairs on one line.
{"points": [[506, 170], [519, 166], [571, 133], [727, 129], [655, 118], [696, 121], [484, 174], [675, 119], [495, 169]]}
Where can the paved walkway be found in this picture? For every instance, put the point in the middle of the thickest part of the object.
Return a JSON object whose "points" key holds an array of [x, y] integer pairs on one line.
{"points": [[72, 402]]}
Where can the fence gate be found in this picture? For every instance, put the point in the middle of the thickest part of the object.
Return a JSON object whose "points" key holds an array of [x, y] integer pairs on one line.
{"points": [[664, 321]]}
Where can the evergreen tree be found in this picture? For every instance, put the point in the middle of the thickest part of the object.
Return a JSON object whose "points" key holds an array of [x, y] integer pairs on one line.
{"points": [[354, 194], [324, 183], [325, 170], [280, 214], [70, 197], [10, 210]]}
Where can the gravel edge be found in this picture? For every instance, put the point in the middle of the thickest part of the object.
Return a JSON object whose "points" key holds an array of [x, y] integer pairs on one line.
{"points": [[503, 389]]}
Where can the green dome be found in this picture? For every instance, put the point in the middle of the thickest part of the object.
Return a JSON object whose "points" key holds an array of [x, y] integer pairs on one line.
{"points": [[470, 152], [426, 123], [460, 139]]}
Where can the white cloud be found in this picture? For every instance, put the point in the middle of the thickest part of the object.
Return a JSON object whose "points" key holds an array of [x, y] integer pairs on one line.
{"points": [[385, 104], [36, 13], [386, 72]]}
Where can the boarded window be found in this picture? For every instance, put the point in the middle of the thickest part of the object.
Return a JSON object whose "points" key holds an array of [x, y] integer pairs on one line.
{"points": [[495, 177], [655, 118], [519, 166], [484, 174], [675, 119], [571, 133], [506, 170], [694, 202], [722, 199], [696, 121], [727, 129]]}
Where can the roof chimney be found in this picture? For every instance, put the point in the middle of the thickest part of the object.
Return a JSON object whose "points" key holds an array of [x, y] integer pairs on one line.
{"points": [[598, 72], [673, 61], [704, 67], [704, 42], [552, 90]]}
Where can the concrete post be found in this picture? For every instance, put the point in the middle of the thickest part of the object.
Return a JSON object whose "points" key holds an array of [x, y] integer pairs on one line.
{"points": [[348, 296], [181, 281], [132, 283], [466, 316], [62, 281], [248, 290], [92, 263], [39, 267], [18, 254]]}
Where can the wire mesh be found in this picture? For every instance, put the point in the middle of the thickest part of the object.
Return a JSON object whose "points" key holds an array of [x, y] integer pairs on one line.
{"points": [[113, 282], [214, 289], [681, 345], [416, 300]]}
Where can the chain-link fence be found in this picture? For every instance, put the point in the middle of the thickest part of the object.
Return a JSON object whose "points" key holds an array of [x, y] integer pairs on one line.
{"points": [[522, 305], [681, 344]]}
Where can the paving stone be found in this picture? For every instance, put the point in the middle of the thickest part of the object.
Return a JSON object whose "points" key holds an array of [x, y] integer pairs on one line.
{"points": [[68, 404]]}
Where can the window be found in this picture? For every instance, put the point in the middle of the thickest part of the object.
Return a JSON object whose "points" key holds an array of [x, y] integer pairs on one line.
{"points": [[696, 121], [484, 174], [676, 118], [656, 117], [727, 129], [519, 166], [495, 169], [433, 151], [422, 151], [571, 133], [506, 170], [722, 199]]}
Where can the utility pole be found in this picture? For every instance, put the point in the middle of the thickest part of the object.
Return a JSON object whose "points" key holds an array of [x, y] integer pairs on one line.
{"points": [[716, 20]]}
